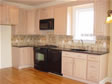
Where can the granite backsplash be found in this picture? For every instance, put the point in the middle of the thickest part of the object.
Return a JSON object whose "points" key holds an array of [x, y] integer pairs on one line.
{"points": [[62, 41]]}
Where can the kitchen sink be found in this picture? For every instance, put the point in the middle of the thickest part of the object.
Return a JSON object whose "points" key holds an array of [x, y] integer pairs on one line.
{"points": [[78, 50]]}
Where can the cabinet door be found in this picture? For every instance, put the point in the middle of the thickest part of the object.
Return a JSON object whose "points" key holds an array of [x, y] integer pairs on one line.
{"points": [[26, 57], [50, 12], [46, 13], [60, 24], [9, 14], [67, 66], [0, 14], [21, 27], [80, 68], [4, 18], [93, 71], [13, 15], [100, 8], [31, 21]]}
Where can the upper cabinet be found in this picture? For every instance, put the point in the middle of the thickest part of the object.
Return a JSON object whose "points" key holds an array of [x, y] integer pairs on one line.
{"points": [[13, 15], [46, 13], [0, 13], [21, 27], [33, 21], [60, 16], [101, 7], [28, 22], [9, 14], [59, 13]]}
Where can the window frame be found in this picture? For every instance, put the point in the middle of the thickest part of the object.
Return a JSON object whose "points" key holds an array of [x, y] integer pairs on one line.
{"points": [[73, 15]]}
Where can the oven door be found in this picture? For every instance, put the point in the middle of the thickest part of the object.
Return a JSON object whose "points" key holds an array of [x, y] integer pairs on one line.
{"points": [[41, 59], [40, 56]]}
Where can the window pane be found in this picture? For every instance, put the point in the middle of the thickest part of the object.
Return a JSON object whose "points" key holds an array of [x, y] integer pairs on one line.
{"points": [[84, 23]]}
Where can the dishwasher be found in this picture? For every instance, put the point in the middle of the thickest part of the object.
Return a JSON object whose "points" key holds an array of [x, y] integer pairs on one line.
{"points": [[54, 61]]}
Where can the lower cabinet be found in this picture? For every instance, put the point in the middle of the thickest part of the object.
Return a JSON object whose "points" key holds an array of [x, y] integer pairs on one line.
{"points": [[94, 68], [86, 67], [80, 69], [22, 57], [67, 66]]}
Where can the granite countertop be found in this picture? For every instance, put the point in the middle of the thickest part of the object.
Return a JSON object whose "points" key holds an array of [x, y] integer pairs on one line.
{"points": [[65, 49]]}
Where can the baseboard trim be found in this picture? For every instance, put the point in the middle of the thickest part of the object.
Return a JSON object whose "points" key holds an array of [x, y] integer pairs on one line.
{"points": [[6, 67], [107, 79], [26, 66], [81, 80]]}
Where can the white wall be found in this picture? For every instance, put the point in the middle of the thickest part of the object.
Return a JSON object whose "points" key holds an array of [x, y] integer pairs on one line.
{"points": [[5, 46]]}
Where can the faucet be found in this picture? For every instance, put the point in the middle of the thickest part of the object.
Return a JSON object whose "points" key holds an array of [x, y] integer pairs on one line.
{"points": [[82, 43]]}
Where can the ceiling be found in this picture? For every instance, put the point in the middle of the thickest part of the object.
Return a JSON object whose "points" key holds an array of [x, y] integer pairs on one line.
{"points": [[30, 2]]}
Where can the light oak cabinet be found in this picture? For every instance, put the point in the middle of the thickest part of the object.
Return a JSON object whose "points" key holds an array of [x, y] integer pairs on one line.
{"points": [[46, 13], [97, 67], [33, 21], [22, 57], [60, 16], [87, 67], [79, 70], [21, 27], [13, 15], [100, 9], [73, 64], [93, 71], [67, 66], [9, 14], [28, 22], [0, 13]]}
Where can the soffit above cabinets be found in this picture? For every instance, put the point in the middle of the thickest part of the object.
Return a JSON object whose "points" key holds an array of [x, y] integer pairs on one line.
{"points": [[35, 3], [30, 2]]}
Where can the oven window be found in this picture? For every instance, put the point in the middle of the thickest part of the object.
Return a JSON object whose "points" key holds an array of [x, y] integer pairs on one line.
{"points": [[40, 57]]}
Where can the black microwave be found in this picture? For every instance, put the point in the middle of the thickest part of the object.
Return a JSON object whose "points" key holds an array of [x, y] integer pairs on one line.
{"points": [[47, 24]]}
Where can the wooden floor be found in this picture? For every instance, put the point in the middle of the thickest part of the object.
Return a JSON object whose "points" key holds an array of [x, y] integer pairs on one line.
{"points": [[31, 76]]}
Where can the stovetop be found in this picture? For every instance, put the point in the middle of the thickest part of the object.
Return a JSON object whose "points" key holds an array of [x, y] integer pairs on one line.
{"points": [[49, 46]]}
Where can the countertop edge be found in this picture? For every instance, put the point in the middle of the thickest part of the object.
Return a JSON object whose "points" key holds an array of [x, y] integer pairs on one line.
{"points": [[69, 50]]}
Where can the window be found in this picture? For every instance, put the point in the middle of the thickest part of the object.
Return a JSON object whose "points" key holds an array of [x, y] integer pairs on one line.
{"points": [[82, 22]]}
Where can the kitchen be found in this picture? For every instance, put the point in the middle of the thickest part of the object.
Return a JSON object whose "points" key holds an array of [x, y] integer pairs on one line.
{"points": [[43, 37]]}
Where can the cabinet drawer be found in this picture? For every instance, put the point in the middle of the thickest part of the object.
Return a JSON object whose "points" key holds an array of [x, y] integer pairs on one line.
{"points": [[92, 77], [93, 58], [68, 54], [80, 56], [67, 59], [93, 71], [93, 66]]}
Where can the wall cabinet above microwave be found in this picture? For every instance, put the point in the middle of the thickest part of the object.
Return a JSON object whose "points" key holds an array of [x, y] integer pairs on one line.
{"points": [[46, 13]]}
